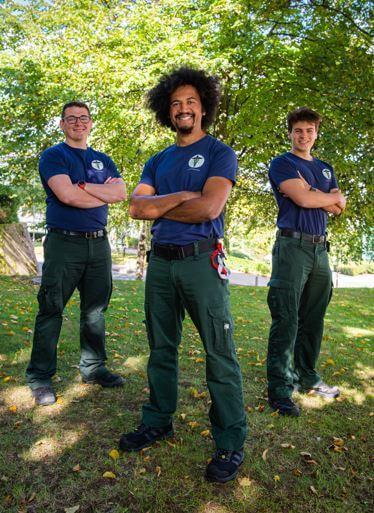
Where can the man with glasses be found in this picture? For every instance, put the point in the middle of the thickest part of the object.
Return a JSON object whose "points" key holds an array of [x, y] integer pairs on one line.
{"points": [[79, 183]]}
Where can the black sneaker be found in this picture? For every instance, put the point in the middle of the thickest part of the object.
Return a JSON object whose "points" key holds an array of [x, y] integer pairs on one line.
{"points": [[284, 406], [322, 389], [224, 466], [106, 380], [144, 436], [44, 396]]}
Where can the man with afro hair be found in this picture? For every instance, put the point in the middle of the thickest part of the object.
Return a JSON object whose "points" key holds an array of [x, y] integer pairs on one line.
{"points": [[184, 189]]}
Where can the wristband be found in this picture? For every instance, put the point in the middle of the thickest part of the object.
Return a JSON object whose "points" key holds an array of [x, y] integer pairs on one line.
{"points": [[82, 185]]}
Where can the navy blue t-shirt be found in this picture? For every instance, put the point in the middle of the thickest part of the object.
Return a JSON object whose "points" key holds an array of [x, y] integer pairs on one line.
{"points": [[81, 166], [187, 168], [318, 174]]}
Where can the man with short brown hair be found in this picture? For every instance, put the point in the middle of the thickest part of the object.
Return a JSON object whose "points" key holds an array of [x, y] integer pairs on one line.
{"points": [[305, 189]]}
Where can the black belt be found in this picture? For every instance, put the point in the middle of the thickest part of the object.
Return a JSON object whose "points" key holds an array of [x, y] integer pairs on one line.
{"points": [[316, 239], [86, 235], [171, 252]]}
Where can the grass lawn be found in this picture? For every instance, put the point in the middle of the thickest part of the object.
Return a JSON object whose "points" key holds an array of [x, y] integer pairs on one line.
{"points": [[53, 459]]}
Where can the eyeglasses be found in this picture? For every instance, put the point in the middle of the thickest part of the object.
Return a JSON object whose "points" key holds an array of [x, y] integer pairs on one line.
{"points": [[71, 120]]}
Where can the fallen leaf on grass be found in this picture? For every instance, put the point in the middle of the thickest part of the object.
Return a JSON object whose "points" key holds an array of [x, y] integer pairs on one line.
{"points": [[109, 475], [311, 462], [265, 454], [32, 497], [73, 509], [296, 472], [260, 408], [114, 454], [158, 471], [338, 441], [6, 379], [277, 478], [13, 408], [313, 490], [193, 424], [76, 468], [183, 416], [205, 433], [287, 446], [245, 482], [305, 454]]}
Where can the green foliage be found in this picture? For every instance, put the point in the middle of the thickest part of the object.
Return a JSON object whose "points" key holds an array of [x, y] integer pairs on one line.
{"points": [[271, 56], [9, 203]]}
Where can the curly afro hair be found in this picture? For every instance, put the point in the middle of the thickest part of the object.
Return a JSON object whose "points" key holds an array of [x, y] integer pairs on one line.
{"points": [[158, 98]]}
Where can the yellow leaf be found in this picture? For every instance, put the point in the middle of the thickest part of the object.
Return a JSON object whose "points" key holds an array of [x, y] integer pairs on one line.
{"points": [[245, 482], [13, 408], [265, 454], [158, 471], [32, 497], [296, 472], [205, 433], [73, 509], [193, 424], [329, 361], [338, 441], [199, 360], [76, 468], [60, 400], [277, 478], [109, 475], [183, 416], [6, 379], [288, 446], [114, 454]]}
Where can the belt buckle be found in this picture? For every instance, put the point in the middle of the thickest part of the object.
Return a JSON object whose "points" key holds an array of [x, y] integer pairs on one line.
{"points": [[90, 235], [316, 239]]}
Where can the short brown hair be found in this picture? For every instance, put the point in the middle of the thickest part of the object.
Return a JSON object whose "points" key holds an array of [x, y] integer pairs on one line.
{"points": [[303, 114], [75, 104]]}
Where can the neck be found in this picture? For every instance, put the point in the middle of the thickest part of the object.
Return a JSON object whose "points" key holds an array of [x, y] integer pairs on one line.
{"points": [[82, 145], [187, 139], [302, 154]]}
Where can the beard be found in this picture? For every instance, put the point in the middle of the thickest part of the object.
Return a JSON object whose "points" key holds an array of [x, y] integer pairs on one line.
{"points": [[185, 130]]}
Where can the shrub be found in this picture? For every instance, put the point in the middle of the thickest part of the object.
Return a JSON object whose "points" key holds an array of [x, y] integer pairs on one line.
{"points": [[9, 203]]}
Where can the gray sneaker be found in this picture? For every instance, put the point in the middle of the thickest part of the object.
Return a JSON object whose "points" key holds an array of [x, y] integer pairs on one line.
{"points": [[323, 390], [44, 396]]}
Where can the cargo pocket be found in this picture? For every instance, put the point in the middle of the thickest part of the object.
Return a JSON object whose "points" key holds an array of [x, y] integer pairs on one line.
{"points": [[279, 297], [222, 329], [50, 297]]}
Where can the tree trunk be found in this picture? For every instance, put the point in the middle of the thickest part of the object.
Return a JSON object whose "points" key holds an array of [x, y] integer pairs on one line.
{"points": [[142, 248], [17, 256]]}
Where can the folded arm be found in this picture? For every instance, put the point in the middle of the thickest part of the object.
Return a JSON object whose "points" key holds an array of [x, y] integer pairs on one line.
{"points": [[299, 191], [145, 204], [206, 208], [112, 191], [71, 194]]}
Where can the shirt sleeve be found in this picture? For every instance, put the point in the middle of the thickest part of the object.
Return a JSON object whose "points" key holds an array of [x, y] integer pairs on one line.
{"points": [[113, 171], [52, 163], [282, 169], [148, 174], [334, 182], [224, 163]]}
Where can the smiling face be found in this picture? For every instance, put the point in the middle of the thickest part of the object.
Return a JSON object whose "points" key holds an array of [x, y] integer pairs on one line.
{"points": [[76, 131], [303, 136], [186, 110]]}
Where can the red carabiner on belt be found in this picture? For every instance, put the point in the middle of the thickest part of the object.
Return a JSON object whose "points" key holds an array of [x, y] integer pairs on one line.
{"points": [[217, 259]]}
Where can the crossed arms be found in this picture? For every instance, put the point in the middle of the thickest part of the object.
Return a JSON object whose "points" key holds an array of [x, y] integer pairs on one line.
{"points": [[299, 191], [183, 206], [94, 195]]}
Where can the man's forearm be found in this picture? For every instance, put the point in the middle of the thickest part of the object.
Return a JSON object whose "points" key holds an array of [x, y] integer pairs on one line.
{"points": [[108, 193], [193, 211], [81, 199], [333, 209], [154, 207]]}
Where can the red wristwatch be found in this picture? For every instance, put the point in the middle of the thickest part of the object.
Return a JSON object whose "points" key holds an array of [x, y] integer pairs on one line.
{"points": [[82, 185]]}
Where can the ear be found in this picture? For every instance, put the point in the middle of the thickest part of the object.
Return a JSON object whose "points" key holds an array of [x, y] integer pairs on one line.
{"points": [[61, 124], [289, 135]]}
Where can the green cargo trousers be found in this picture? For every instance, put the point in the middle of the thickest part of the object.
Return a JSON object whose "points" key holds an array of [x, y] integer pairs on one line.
{"points": [[71, 262], [192, 284], [299, 293]]}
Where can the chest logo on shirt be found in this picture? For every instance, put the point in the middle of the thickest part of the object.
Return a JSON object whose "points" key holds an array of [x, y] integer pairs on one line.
{"points": [[97, 164], [196, 161], [326, 173]]}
